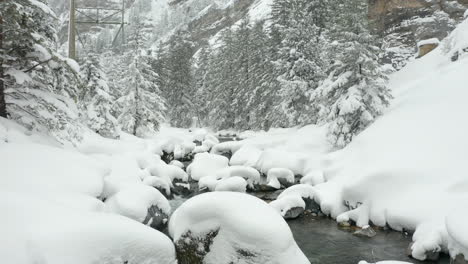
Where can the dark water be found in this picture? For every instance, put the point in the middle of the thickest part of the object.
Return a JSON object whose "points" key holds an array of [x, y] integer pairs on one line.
{"points": [[322, 241]]}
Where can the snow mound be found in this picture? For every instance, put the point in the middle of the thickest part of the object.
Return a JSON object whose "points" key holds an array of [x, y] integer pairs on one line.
{"points": [[406, 170], [246, 156], [40, 168], [233, 184], [274, 158], [208, 182], [205, 164], [250, 174], [457, 233], [287, 203], [242, 222], [177, 164], [134, 202], [58, 235], [159, 183], [302, 190], [274, 174], [172, 172]]}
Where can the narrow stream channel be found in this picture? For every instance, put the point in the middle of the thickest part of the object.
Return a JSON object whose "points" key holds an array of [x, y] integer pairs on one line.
{"points": [[323, 242]]}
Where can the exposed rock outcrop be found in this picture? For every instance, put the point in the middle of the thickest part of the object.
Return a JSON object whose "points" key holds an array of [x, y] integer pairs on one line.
{"points": [[403, 23]]}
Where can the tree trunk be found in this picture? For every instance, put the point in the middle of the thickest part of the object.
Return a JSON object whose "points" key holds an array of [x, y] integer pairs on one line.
{"points": [[3, 112]]}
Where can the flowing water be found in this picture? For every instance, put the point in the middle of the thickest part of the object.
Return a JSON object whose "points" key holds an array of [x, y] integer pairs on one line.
{"points": [[323, 242]]}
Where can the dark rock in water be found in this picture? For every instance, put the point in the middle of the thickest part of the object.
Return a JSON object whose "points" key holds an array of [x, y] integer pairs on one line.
{"points": [[267, 196], [156, 218], [430, 255], [459, 259], [187, 158], [344, 224], [181, 188], [191, 249], [264, 188], [293, 213], [312, 205], [366, 231], [285, 183], [167, 157]]}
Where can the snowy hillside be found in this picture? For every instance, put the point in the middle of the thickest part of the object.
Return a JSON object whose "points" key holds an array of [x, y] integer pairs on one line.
{"points": [[235, 131], [407, 170]]}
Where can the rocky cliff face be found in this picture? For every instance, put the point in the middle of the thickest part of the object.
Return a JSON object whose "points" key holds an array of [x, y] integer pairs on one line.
{"points": [[403, 23]]}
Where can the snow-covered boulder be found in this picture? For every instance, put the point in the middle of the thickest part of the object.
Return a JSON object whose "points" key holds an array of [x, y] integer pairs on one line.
{"points": [[170, 171], [206, 164], [163, 184], [36, 230], [290, 206], [276, 158], [177, 164], [246, 156], [313, 178], [228, 148], [227, 227], [232, 184], [280, 176], [208, 183], [250, 174], [141, 203]]}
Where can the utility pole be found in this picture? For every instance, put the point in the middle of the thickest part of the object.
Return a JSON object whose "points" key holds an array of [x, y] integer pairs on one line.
{"points": [[72, 31], [96, 15]]}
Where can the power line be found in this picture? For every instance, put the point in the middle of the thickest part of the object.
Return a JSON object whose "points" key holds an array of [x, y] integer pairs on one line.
{"points": [[96, 15]]}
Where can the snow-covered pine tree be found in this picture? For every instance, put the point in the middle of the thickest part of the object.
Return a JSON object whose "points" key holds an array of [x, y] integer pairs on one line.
{"points": [[202, 94], [300, 24], [141, 107], [178, 89], [263, 96], [355, 92], [242, 73], [223, 82], [40, 86], [96, 100]]}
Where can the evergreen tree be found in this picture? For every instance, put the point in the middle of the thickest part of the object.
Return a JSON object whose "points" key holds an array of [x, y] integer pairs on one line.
{"points": [[178, 89], [141, 106], [355, 92], [40, 86], [96, 99], [301, 26]]}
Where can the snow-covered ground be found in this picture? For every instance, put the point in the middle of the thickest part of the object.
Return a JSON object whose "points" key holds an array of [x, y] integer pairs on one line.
{"points": [[52, 197], [407, 170]]}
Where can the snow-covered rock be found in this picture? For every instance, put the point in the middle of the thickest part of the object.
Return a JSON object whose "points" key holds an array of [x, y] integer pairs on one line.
{"points": [[406, 171], [205, 164], [141, 203], [177, 164], [274, 158], [250, 174], [232, 184], [227, 227], [289, 206], [35, 230], [160, 183], [246, 156], [276, 176]]}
